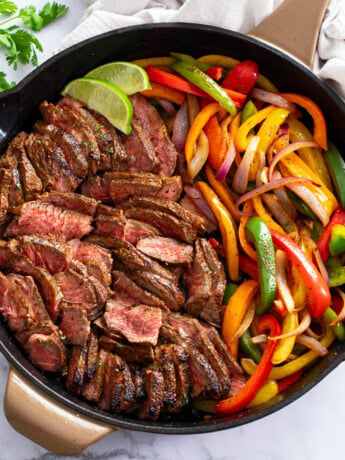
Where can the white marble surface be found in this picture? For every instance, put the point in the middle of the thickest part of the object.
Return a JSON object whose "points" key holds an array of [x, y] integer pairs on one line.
{"points": [[312, 428]]}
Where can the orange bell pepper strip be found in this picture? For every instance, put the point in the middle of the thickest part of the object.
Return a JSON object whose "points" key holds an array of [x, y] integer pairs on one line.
{"points": [[200, 121], [320, 127], [223, 191], [234, 127], [164, 92], [262, 371], [235, 311], [217, 143], [242, 139], [227, 229], [242, 236]]}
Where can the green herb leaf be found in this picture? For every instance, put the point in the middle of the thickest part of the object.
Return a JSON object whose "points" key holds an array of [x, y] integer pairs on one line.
{"points": [[26, 45], [51, 11], [31, 19], [4, 84], [7, 8]]}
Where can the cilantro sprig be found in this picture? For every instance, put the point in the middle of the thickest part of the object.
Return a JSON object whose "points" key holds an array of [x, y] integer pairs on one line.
{"points": [[19, 43]]}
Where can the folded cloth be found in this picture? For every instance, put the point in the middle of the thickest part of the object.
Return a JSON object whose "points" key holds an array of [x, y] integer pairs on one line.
{"points": [[240, 15]]}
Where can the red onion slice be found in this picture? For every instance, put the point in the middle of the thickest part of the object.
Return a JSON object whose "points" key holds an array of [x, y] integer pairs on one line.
{"points": [[240, 181], [308, 196], [167, 106], [247, 321], [198, 199], [227, 162], [272, 98], [283, 198], [181, 128]]}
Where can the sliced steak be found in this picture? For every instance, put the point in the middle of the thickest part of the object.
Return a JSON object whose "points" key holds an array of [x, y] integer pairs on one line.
{"points": [[72, 201], [140, 150], [139, 324], [98, 270], [76, 369], [94, 187], [165, 362], [142, 185], [149, 120], [37, 154], [171, 188], [92, 352], [74, 325], [111, 226], [84, 252], [92, 390], [43, 219], [139, 385], [135, 230], [154, 384], [188, 204], [130, 352], [5, 183], [166, 250], [184, 383], [47, 352]]}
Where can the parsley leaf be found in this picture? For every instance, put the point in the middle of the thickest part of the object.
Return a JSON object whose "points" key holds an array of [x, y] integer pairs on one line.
{"points": [[7, 8], [51, 11], [4, 84], [31, 19], [24, 46]]}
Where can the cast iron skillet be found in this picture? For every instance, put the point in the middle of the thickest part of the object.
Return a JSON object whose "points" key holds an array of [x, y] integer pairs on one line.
{"points": [[19, 111]]}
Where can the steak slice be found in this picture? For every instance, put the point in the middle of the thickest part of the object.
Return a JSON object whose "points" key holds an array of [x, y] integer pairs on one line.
{"points": [[84, 251], [188, 204], [184, 383], [43, 219], [42, 165], [92, 352], [76, 369], [171, 188], [5, 183], [94, 187], [10, 161], [132, 353], [139, 385], [111, 226], [74, 325], [46, 253], [98, 270], [165, 362], [72, 201], [139, 324], [149, 120], [47, 352], [166, 250], [92, 390], [142, 185], [136, 230], [129, 292], [140, 150], [154, 384]]}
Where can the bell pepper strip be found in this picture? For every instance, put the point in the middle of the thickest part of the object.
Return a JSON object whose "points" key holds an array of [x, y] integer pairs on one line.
{"points": [[217, 142], [336, 167], [238, 98], [246, 246], [319, 297], [279, 307], [223, 191], [299, 289], [227, 228], [269, 390], [215, 72], [235, 311], [247, 393], [155, 61], [249, 348], [323, 243], [230, 289], [285, 346], [164, 92], [214, 243], [288, 381], [298, 364], [261, 212], [336, 276], [242, 139], [311, 156], [337, 241], [301, 206], [320, 127], [338, 329], [195, 130], [234, 127], [242, 77], [205, 83], [249, 109], [259, 234], [188, 58], [200, 156], [249, 267]]}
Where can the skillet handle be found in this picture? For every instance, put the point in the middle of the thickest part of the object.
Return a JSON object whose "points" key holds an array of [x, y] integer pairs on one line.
{"points": [[47, 422], [294, 27]]}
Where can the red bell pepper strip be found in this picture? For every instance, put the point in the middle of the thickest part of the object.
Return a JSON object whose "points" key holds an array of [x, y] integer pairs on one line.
{"points": [[337, 304], [285, 383], [215, 73], [214, 243], [242, 77], [323, 242], [247, 393], [319, 296], [249, 267]]}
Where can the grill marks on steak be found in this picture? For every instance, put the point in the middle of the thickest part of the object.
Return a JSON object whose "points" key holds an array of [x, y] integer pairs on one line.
{"points": [[130, 352]]}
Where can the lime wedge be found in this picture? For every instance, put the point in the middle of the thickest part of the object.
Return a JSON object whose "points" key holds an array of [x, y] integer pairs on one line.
{"points": [[104, 97], [131, 78]]}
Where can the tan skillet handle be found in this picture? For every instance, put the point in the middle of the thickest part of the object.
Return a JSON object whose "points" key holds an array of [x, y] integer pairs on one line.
{"points": [[47, 422], [294, 27]]}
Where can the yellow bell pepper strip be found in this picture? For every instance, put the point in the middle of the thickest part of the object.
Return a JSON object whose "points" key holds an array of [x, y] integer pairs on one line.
{"points": [[311, 156], [222, 190], [195, 130], [246, 246], [242, 139], [281, 372], [320, 127], [259, 234], [227, 229], [235, 312], [267, 392], [299, 289], [247, 393], [261, 212], [170, 94], [285, 346], [155, 61]]}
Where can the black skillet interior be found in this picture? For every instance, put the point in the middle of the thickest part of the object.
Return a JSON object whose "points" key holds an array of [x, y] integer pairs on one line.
{"points": [[19, 111]]}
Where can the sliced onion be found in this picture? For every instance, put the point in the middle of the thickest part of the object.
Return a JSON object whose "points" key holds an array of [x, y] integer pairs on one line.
{"points": [[193, 107], [240, 181], [247, 321], [283, 197], [302, 327], [167, 106], [181, 128], [286, 181], [318, 259], [198, 199], [200, 156], [227, 162], [286, 151], [341, 315], [272, 98], [258, 339], [313, 344], [262, 162], [279, 213], [282, 284], [283, 130]]}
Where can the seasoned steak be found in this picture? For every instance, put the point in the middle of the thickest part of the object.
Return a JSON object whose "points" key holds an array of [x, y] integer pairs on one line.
{"points": [[5, 183], [154, 383], [92, 390], [74, 325], [140, 150], [72, 201], [166, 250], [130, 352]]}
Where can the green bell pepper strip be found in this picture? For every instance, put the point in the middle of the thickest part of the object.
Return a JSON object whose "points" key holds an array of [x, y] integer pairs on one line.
{"points": [[336, 276], [205, 83], [248, 110], [337, 241], [229, 290], [188, 58], [249, 348], [259, 234], [336, 167], [338, 329], [301, 206], [317, 231]]}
